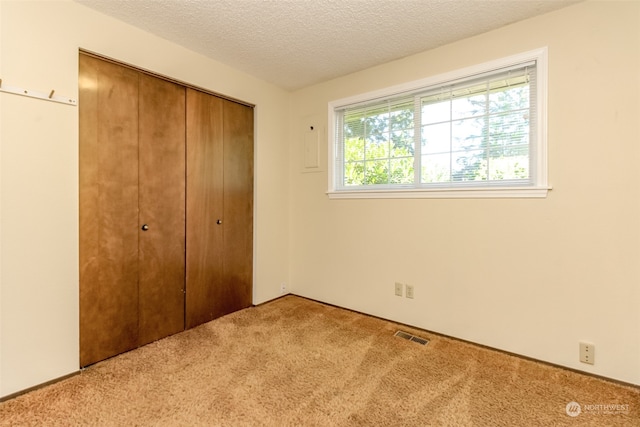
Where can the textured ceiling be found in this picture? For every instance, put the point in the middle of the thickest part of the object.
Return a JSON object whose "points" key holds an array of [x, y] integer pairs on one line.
{"points": [[296, 43]]}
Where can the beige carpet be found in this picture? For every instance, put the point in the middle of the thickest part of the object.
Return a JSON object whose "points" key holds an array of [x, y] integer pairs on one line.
{"points": [[295, 362]]}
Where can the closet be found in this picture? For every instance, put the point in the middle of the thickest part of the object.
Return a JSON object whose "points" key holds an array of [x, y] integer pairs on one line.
{"points": [[166, 207]]}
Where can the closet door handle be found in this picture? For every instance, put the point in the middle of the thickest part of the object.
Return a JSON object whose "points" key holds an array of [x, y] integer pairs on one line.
{"points": [[219, 222], [145, 227]]}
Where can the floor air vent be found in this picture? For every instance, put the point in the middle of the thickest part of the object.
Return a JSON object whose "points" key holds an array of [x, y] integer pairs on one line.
{"points": [[410, 337]]}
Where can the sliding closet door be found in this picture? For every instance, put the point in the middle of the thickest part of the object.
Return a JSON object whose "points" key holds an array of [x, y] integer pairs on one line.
{"points": [[108, 209], [238, 206], [219, 207], [132, 209], [162, 208], [205, 214], [166, 208]]}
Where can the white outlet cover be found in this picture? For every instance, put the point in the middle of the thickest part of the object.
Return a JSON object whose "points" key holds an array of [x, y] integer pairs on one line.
{"points": [[410, 291], [587, 353], [399, 289]]}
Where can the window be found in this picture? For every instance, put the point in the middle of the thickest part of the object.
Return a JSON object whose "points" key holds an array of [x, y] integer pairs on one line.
{"points": [[477, 132]]}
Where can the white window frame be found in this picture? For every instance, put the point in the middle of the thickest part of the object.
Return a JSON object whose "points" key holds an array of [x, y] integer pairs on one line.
{"points": [[537, 189]]}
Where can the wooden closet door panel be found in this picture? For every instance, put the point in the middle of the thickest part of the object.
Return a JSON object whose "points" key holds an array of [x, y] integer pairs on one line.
{"points": [[204, 207], [162, 208], [108, 209], [238, 206]]}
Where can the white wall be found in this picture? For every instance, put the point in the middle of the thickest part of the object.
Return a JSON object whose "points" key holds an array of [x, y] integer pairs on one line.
{"points": [[533, 277], [39, 174]]}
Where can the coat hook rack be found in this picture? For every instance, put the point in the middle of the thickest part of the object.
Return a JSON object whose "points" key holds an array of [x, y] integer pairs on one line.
{"points": [[38, 95]]}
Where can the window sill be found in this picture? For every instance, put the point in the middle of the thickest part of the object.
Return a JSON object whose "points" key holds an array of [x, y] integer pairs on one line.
{"points": [[445, 193]]}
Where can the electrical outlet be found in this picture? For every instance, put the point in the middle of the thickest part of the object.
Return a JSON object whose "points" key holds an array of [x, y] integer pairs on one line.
{"points": [[409, 291], [283, 288], [587, 353], [399, 289]]}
